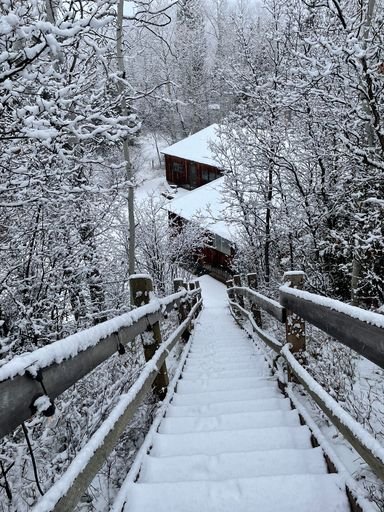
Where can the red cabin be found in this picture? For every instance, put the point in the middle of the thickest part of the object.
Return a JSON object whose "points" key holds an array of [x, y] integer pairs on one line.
{"points": [[206, 207], [190, 163]]}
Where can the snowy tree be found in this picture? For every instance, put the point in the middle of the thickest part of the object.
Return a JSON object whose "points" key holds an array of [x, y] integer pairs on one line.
{"points": [[163, 248]]}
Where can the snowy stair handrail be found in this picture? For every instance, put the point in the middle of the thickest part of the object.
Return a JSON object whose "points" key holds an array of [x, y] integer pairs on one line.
{"points": [[358, 329], [361, 330], [50, 370], [67, 491]]}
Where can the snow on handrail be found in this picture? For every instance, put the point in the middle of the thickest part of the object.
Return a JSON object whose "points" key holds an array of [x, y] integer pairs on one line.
{"points": [[357, 490], [269, 305], [70, 346], [361, 440], [64, 362], [361, 330], [363, 315], [270, 340], [65, 493]]}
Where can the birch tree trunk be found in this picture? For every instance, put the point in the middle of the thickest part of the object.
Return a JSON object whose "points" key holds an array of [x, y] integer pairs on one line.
{"points": [[126, 152]]}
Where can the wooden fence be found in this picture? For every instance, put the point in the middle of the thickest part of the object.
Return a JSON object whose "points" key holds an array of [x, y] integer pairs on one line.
{"points": [[19, 392], [358, 329]]}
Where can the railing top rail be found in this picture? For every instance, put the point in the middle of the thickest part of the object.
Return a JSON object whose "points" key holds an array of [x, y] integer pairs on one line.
{"points": [[53, 369], [271, 306], [270, 340], [65, 493], [71, 346], [358, 329], [364, 442]]}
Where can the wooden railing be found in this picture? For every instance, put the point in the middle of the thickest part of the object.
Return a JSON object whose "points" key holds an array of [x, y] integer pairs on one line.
{"points": [[358, 329], [47, 372]]}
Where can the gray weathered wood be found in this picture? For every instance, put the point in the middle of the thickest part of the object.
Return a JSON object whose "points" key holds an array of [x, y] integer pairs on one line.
{"points": [[230, 293], [141, 289], [192, 287], [376, 465], [237, 284], [366, 339], [271, 306], [85, 477], [294, 323], [83, 480], [263, 335], [18, 394], [255, 309], [177, 284]]}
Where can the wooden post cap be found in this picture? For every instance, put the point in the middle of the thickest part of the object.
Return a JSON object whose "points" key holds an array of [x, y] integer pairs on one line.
{"points": [[252, 280], [294, 278], [177, 284], [237, 280], [141, 287]]}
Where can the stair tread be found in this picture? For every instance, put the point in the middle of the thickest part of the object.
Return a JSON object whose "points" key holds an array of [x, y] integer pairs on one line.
{"points": [[238, 440], [232, 465], [224, 374], [208, 384], [288, 493], [216, 367], [242, 420], [212, 409], [209, 397]]}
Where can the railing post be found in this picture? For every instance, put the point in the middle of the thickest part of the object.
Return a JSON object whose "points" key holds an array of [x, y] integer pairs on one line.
{"points": [[294, 324], [191, 286], [198, 296], [178, 284], [255, 310], [237, 282], [229, 284], [141, 288]]}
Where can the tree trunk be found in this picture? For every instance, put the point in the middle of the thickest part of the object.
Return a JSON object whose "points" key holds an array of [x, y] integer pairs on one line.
{"points": [[268, 226], [126, 153]]}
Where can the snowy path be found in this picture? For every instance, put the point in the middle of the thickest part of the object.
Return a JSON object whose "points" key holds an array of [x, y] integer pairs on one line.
{"points": [[230, 441]]}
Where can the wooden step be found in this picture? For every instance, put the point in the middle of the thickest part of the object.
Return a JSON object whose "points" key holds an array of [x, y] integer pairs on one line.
{"points": [[212, 409], [211, 384], [288, 493], [225, 466], [209, 397], [244, 420], [238, 440]]}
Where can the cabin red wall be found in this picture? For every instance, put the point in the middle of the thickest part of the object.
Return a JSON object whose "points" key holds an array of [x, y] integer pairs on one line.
{"points": [[189, 174], [208, 257], [211, 256]]}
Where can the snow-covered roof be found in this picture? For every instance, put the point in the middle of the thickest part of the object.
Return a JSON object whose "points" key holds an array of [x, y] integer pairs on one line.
{"points": [[206, 205], [196, 147]]}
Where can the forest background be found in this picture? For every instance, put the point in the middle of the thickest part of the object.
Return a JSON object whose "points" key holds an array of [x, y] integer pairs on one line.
{"points": [[91, 91]]}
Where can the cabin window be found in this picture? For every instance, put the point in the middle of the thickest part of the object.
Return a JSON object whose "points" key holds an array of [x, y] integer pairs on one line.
{"points": [[212, 175], [177, 168], [210, 240], [192, 174], [222, 245], [205, 175]]}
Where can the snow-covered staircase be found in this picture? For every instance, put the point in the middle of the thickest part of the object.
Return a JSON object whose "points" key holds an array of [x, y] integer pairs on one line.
{"points": [[229, 441]]}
